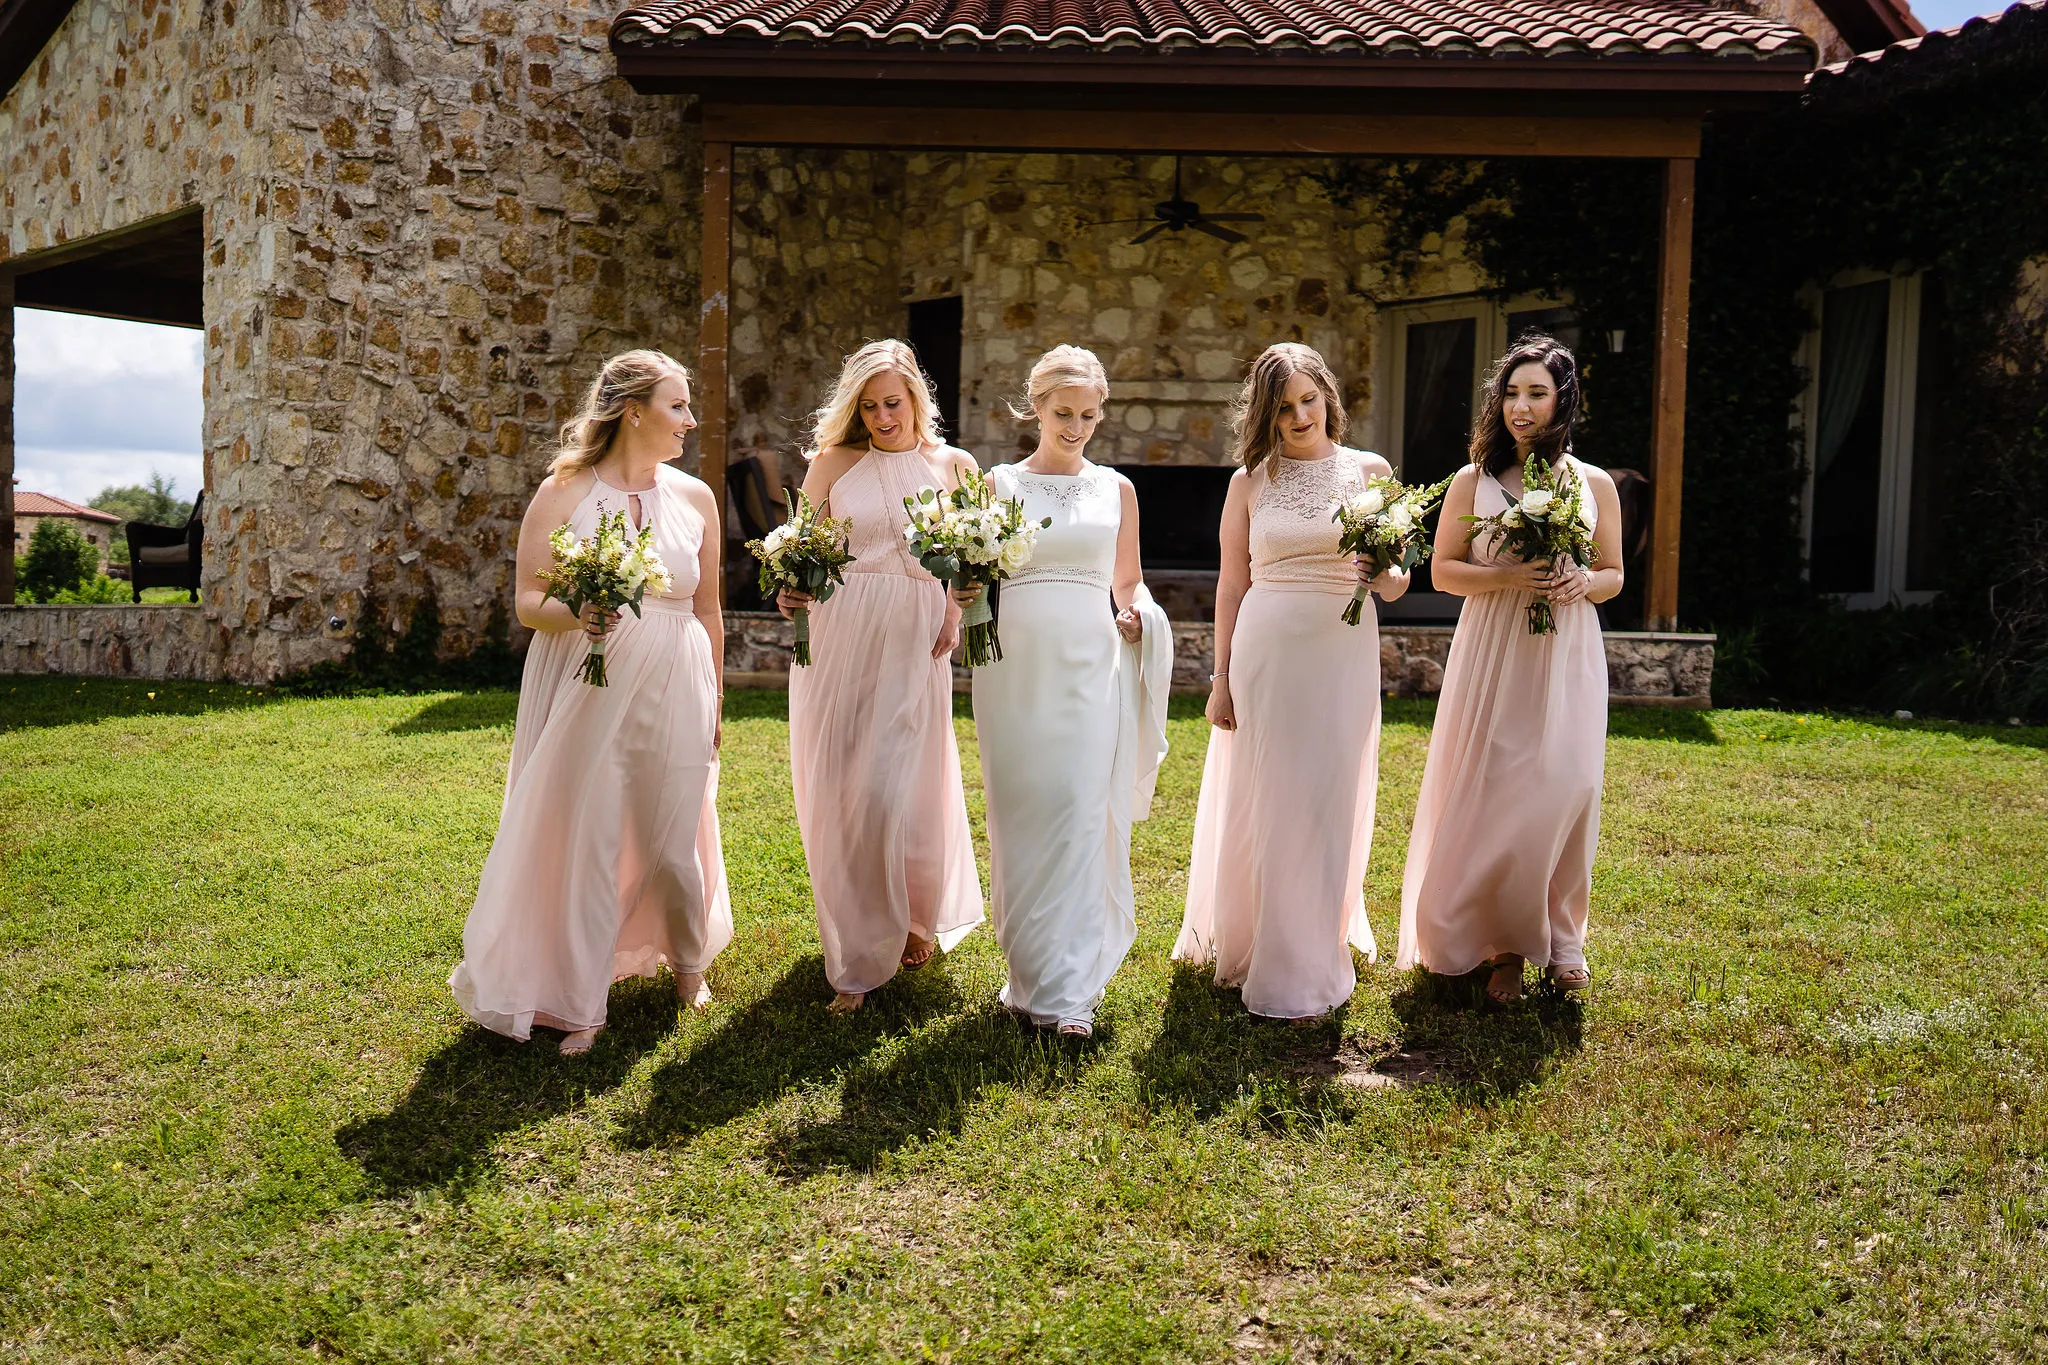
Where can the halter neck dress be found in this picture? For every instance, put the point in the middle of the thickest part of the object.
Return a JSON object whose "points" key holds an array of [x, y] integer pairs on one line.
{"points": [[873, 760], [607, 861], [1500, 859], [1284, 826]]}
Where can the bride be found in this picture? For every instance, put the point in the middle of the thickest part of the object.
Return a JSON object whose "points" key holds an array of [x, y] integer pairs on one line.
{"points": [[1072, 721]]}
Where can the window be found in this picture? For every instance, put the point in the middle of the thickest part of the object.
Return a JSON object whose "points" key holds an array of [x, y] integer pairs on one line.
{"points": [[1874, 407], [1435, 356]]}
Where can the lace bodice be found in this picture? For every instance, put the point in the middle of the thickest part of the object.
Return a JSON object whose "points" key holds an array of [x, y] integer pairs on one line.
{"points": [[1491, 498], [1293, 539], [871, 496], [678, 528], [1087, 513]]}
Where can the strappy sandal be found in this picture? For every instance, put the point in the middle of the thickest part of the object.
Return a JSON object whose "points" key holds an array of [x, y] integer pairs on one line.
{"points": [[581, 1041], [1504, 987], [1570, 978], [918, 951], [1080, 1029]]}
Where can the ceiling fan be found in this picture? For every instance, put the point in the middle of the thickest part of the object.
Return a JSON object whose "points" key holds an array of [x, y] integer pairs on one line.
{"points": [[1175, 214]]}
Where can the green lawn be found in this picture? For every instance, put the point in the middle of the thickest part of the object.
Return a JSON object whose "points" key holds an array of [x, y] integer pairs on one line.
{"points": [[1803, 1117]]}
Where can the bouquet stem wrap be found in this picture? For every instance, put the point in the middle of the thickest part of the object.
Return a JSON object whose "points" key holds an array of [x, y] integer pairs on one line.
{"points": [[592, 671], [978, 633], [801, 654]]}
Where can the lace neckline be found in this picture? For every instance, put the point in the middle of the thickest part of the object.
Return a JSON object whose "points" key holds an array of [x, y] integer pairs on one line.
{"points": [[1310, 493], [1087, 468]]}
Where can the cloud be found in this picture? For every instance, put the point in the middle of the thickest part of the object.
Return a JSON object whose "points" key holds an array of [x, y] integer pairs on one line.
{"points": [[99, 402]]}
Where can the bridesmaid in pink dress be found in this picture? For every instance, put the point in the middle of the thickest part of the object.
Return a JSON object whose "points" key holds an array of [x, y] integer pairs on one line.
{"points": [[873, 761], [1500, 861], [607, 860], [1276, 879]]}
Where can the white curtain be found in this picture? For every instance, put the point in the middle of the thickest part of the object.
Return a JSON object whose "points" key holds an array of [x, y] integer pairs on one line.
{"points": [[1852, 332]]}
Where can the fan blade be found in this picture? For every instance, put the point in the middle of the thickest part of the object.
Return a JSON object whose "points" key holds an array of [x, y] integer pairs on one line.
{"points": [[1149, 233], [1235, 217], [1221, 234], [1115, 222]]}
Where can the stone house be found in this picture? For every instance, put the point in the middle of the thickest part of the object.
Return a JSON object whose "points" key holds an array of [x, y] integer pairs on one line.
{"points": [[410, 229], [98, 528]]}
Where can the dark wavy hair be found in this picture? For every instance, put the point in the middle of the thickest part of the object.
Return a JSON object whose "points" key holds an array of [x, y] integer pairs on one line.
{"points": [[1493, 447]]}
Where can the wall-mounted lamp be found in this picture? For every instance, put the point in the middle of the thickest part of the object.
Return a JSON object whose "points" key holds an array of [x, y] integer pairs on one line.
{"points": [[1615, 339]]}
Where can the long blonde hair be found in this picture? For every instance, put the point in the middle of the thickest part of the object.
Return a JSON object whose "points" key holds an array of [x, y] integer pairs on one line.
{"points": [[627, 376], [839, 423], [1063, 367], [1255, 416]]}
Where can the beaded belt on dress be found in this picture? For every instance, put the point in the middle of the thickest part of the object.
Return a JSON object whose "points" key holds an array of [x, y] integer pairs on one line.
{"points": [[1059, 573]]}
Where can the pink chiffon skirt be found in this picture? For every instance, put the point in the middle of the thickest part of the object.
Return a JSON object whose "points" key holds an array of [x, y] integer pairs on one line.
{"points": [[1276, 895], [607, 861], [876, 776], [1501, 856]]}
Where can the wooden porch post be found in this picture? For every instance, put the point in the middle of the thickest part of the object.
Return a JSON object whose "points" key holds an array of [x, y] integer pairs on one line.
{"points": [[6, 439], [1667, 419], [715, 326]]}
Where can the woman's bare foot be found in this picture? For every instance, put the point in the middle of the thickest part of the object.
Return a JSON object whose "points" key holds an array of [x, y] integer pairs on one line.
{"points": [[843, 1003], [1504, 987], [918, 951], [579, 1042], [691, 990]]}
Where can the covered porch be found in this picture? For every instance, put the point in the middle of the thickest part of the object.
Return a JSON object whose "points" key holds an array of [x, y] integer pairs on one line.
{"points": [[949, 82]]}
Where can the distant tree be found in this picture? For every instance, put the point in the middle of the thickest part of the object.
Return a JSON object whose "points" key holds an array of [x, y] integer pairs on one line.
{"points": [[156, 502], [58, 560]]}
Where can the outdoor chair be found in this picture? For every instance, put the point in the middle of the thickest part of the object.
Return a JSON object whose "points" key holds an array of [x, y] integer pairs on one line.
{"points": [[166, 556]]}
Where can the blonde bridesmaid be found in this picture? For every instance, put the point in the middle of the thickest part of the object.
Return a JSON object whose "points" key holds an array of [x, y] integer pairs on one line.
{"points": [[1500, 862], [607, 860], [1276, 879], [872, 756]]}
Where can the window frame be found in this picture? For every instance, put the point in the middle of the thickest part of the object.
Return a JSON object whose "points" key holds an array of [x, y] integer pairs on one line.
{"points": [[1895, 444]]}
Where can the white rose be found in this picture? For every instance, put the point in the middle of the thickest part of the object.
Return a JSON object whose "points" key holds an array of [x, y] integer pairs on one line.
{"points": [[1401, 516], [1016, 554], [1537, 501], [1369, 502], [778, 537]]}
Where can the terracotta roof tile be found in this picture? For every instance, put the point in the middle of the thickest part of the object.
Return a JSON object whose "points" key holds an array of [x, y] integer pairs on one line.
{"points": [[1391, 28], [2018, 33], [27, 504]]}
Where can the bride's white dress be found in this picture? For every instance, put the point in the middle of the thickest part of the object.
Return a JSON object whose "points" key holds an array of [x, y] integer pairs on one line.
{"points": [[1072, 724]]}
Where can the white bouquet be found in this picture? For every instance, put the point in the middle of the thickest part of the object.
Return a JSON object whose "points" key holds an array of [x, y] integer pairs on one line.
{"points": [[1383, 526], [611, 569], [1548, 523], [970, 536], [809, 553]]}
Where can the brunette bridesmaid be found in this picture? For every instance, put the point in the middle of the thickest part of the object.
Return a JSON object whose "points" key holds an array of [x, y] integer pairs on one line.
{"points": [[607, 860], [1500, 862], [1276, 879], [872, 756]]}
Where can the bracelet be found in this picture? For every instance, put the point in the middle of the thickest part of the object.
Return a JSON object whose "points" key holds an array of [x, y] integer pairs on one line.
{"points": [[1214, 676]]}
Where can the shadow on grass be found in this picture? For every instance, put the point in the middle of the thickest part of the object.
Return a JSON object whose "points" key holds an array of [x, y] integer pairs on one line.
{"points": [[1660, 723], [483, 1086], [467, 711], [32, 701], [780, 1042], [1212, 1054], [1452, 1036], [925, 1090]]}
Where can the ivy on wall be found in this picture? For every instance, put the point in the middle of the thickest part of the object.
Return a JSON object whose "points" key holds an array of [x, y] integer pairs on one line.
{"points": [[1927, 161]]}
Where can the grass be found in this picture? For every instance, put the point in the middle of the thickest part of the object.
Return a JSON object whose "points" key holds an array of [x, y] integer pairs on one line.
{"points": [[1802, 1118]]}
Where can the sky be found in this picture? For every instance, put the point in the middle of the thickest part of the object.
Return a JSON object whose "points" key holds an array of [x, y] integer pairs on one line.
{"points": [[1941, 14], [98, 402]]}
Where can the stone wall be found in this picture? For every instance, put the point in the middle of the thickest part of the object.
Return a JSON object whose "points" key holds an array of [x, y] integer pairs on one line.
{"points": [[425, 223], [1642, 668], [112, 641]]}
